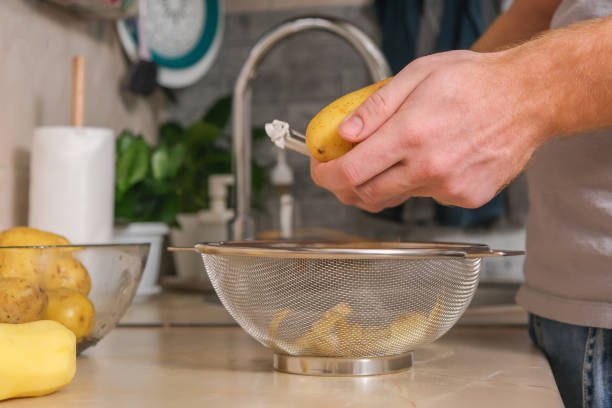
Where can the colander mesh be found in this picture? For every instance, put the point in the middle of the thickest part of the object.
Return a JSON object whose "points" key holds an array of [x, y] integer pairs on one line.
{"points": [[299, 306]]}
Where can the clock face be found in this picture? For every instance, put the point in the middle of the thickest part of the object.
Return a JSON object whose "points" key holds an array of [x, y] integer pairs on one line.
{"points": [[174, 27], [184, 37]]}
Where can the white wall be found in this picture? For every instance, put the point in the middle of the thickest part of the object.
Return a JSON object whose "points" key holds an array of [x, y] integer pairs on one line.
{"points": [[37, 43]]}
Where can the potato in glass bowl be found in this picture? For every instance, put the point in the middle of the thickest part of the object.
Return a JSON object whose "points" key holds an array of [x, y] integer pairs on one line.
{"points": [[87, 288]]}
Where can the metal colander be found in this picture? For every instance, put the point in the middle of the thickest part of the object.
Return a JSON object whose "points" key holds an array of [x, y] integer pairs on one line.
{"points": [[354, 300]]}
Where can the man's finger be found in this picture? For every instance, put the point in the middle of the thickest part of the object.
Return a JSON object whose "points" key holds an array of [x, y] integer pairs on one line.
{"points": [[374, 208], [383, 103], [379, 152], [387, 186], [402, 198]]}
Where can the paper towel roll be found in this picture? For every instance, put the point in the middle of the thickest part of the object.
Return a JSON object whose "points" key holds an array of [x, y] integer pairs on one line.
{"points": [[72, 176]]}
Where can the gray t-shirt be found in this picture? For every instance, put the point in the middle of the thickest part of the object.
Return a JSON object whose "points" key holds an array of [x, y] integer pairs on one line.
{"points": [[568, 269]]}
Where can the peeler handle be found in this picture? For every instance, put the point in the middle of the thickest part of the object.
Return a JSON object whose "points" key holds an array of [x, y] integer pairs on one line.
{"points": [[493, 253]]}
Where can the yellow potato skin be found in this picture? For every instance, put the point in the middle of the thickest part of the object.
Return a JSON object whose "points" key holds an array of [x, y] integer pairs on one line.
{"points": [[28, 263], [22, 263], [49, 268], [26, 236], [21, 301], [63, 271], [71, 309], [37, 358], [322, 138]]}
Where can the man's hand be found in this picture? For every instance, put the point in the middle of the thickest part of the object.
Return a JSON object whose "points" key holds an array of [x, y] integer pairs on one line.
{"points": [[459, 126], [456, 126]]}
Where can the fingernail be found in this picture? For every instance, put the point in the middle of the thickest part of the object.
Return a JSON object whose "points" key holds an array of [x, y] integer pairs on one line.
{"points": [[351, 126]]}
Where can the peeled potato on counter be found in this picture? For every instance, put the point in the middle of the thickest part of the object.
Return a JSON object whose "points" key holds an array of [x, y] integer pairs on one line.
{"points": [[37, 358], [71, 309], [21, 301], [322, 138]]}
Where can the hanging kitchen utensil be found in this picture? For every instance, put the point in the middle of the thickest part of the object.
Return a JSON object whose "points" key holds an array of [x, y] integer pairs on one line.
{"points": [[143, 74], [109, 9]]}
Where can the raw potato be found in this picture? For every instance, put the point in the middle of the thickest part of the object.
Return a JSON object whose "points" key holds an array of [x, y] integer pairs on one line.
{"points": [[21, 301], [37, 358], [64, 271], [71, 309], [22, 263], [26, 236], [322, 138], [26, 263]]}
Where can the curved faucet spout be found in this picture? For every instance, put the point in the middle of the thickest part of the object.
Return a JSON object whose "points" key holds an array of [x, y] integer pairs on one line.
{"points": [[242, 226]]}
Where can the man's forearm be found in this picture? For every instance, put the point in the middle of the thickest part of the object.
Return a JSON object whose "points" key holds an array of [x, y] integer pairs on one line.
{"points": [[569, 76], [523, 20]]}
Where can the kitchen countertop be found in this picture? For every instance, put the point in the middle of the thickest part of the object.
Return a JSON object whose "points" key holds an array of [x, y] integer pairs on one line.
{"points": [[160, 366]]}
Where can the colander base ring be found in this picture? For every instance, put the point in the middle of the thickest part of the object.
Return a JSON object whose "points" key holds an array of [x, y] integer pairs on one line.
{"points": [[341, 366]]}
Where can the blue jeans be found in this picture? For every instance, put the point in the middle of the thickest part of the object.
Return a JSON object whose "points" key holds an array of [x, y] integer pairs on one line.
{"points": [[580, 358]]}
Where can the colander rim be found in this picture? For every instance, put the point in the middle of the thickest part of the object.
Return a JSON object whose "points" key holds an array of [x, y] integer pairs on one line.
{"points": [[350, 249]]}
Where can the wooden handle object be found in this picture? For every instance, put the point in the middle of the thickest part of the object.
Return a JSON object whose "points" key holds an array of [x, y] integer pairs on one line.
{"points": [[78, 91]]}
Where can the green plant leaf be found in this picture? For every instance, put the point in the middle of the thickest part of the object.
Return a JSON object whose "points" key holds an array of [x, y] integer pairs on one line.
{"points": [[167, 161], [219, 113], [160, 163], [156, 184], [201, 136], [160, 187], [124, 141], [170, 133], [171, 207], [176, 159], [132, 165]]}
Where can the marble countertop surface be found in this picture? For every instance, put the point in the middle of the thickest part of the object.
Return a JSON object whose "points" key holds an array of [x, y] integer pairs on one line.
{"points": [[185, 350], [224, 367]]}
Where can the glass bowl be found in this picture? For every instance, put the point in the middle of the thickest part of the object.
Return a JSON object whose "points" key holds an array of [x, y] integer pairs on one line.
{"points": [[114, 272]]}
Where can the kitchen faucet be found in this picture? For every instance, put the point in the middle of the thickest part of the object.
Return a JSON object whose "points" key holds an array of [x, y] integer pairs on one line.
{"points": [[242, 226]]}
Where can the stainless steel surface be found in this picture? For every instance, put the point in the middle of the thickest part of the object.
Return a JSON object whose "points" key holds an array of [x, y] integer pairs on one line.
{"points": [[345, 299], [351, 249], [297, 142], [242, 225], [337, 366]]}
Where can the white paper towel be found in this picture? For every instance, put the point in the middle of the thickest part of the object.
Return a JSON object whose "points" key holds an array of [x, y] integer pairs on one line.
{"points": [[72, 176]]}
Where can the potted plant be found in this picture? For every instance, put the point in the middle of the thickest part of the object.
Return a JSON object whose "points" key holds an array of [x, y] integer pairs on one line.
{"points": [[166, 184]]}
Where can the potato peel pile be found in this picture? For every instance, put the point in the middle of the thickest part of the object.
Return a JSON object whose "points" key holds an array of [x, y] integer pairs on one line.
{"points": [[333, 336]]}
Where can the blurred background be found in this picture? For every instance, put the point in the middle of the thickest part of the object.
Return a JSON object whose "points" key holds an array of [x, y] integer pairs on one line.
{"points": [[175, 132]]}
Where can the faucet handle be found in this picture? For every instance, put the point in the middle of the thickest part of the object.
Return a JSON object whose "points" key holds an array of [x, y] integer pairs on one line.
{"points": [[285, 137]]}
